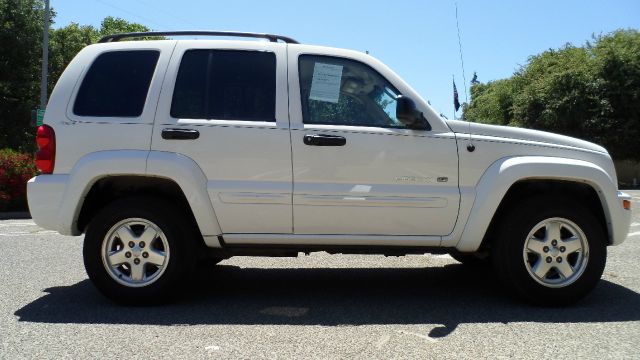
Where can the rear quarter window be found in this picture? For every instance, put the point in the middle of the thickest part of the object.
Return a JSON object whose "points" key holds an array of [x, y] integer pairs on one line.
{"points": [[116, 84]]}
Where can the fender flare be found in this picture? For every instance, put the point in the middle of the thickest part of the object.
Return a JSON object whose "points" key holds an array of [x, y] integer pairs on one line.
{"points": [[178, 168], [504, 173], [193, 183]]}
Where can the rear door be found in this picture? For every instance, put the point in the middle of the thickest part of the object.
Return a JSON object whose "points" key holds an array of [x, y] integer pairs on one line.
{"points": [[234, 95]]}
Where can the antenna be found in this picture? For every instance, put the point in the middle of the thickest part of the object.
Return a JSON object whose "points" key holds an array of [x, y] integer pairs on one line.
{"points": [[470, 146]]}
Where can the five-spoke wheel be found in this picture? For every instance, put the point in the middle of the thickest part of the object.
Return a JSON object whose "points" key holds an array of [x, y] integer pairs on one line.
{"points": [[135, 252], [550, 250], [556, 252], [139, 250]]}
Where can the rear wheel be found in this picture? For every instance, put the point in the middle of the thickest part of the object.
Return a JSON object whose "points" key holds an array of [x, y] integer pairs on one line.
{"points": [[550, 251], [138, 250]]}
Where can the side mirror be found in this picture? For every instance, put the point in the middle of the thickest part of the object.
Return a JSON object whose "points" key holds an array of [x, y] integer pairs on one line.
{"points": [[407, 113]]}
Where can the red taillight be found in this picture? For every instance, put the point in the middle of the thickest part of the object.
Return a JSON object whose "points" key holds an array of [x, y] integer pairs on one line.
{"points": [[46, 155]]}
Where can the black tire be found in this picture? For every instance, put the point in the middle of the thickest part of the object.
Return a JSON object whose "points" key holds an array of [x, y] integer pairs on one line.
{"points": [[509, 261], [472, 260], [177, 231]]}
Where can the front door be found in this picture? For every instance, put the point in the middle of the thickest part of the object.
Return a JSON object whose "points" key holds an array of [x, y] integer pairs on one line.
{"points": [[234, 96], [357, 169]]}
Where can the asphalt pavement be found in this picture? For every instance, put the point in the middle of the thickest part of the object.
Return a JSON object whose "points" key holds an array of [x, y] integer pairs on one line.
{"points": [[318, 306]]}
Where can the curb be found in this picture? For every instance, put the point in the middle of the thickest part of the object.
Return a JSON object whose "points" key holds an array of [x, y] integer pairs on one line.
{"points": [[15, 215]]}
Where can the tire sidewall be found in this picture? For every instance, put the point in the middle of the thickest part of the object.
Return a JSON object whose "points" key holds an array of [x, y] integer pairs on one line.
{"points": [[509, 260], [158, 212]]}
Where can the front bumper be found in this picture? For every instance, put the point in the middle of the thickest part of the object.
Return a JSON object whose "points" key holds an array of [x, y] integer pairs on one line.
{"points": [[621, 220]]}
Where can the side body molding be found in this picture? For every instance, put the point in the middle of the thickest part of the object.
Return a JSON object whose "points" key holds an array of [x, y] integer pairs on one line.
{"points": [[181, 169], [502, 174]]}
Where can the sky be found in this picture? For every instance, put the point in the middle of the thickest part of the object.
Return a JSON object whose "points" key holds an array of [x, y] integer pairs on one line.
{"points": [[417, 39]]}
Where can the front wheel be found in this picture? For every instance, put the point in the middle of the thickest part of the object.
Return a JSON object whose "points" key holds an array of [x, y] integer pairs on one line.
{"points": [[550, 251], [136, 251]]}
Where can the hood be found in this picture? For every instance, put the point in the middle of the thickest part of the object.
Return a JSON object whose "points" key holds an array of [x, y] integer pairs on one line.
{"points": [[508, 132]]}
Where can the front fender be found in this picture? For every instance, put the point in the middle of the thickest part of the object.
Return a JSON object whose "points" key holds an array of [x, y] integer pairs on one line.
{"points": [[502, 174]]}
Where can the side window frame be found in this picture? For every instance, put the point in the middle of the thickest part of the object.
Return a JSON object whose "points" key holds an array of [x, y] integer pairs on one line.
{"points": [[85, 73], [272, 120], [162, 112], [76, 71], [304, 103]]}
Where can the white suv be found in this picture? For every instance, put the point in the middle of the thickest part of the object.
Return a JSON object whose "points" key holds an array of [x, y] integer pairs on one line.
{"points": [[165, 152]]}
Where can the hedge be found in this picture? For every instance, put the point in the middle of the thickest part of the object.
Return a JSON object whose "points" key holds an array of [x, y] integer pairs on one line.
{"points": [[15, 170]]}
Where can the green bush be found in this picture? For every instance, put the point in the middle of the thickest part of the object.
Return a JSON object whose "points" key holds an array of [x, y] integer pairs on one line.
{"points": [[15, 170]]}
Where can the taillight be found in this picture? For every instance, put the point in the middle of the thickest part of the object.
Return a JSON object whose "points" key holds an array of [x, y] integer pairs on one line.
{"points": [[46, 155]]}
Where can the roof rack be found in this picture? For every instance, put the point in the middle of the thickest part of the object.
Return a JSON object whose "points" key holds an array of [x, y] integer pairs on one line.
{"points": [[270, 37]]}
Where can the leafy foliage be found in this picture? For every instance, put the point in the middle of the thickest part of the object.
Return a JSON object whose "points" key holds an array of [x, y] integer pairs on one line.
{"points": [[591, 92], [21, 44], [15, 170], [64, 44]]}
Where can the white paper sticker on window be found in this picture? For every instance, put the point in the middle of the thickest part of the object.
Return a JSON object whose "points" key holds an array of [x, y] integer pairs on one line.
{"points": [[325, 85]]}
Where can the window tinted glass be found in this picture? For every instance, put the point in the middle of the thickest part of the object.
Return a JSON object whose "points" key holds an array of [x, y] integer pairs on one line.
{"points": [[338, 91], [116, 84], [226, 85]]}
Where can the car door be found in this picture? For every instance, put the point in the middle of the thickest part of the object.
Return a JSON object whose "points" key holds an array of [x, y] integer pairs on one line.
{"points": [[233, 95], [357, 169]]}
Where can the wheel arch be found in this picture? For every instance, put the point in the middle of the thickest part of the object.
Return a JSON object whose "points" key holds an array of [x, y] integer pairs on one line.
{"points": [[509, 179], [132, 171], [527, 188], [107, 189]]}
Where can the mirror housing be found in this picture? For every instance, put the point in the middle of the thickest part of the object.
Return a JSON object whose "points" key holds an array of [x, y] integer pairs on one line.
{"points": [[407, 113]]}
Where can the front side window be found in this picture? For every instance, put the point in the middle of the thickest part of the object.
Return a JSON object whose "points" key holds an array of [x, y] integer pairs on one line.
{"points": [[338, 91], [225, 85], [116, 84]]}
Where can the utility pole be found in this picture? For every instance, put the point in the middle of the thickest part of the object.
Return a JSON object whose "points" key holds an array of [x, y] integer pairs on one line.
{"points": [[45, 57]]}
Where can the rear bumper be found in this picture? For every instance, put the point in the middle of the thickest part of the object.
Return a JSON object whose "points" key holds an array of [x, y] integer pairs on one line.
{"points": [[45, 194], [621, 220]]}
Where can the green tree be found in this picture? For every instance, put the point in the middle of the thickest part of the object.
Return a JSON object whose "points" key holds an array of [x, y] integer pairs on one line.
{"points": [[492, 102], [590, 92], [617, 68], [111, 25], [557, 91], [64, 44], [21, 44]]}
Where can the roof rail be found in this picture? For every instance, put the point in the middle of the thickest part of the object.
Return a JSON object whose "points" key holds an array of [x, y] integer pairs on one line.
{"points": [[270, 37]]}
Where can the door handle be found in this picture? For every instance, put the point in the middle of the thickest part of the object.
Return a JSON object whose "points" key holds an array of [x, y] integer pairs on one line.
{"points": [[324, 140], [180, 134]]}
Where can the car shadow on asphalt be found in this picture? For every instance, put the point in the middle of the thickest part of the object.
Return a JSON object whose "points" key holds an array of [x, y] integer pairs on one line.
{"points": [[442, 296]]}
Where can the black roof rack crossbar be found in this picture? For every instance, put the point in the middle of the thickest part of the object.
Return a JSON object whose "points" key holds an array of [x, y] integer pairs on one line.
{"points": [[270, 37]]}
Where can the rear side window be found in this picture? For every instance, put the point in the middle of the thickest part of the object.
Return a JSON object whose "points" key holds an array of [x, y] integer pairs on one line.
{"points": [[116, 84], [225, 85]]}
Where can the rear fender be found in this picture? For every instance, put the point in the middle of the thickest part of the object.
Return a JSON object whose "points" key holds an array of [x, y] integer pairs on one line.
{"points": [[178, 168]]}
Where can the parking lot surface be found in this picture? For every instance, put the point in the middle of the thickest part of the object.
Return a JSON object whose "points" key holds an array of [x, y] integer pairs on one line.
{"points": [[317, 306]]}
